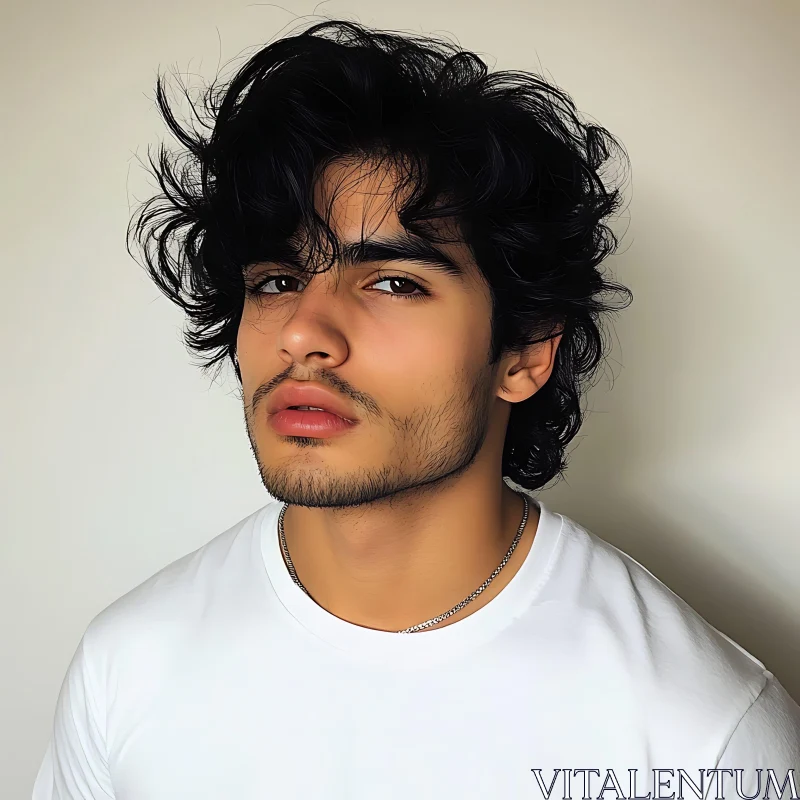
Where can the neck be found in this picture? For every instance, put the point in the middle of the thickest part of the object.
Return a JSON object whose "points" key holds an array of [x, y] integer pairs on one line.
{"points": [[398, 562]]}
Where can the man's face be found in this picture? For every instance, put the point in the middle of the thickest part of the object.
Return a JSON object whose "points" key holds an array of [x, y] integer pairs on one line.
{"points": [[414, 371]]}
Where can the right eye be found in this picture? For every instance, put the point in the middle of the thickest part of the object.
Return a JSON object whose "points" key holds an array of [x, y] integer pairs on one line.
{"points": [[259, 288]]}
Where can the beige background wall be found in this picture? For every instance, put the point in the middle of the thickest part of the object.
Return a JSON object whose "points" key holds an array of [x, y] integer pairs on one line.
{"points": [[119, 458]]}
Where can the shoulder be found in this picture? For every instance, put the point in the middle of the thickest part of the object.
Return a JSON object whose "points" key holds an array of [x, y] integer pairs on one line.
{"points": [[639, 633], [174, 604], [619, 592], [768, 734]]}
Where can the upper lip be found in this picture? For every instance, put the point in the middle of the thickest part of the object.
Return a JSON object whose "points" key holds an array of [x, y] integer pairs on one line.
{"points": [[307, 394]]}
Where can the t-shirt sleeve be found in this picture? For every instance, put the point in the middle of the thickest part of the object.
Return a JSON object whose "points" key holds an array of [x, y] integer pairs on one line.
{"points": [[75, 765], [767, 737]]}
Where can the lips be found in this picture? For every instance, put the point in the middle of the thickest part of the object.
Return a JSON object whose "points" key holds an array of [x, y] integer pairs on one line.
{"points": [[307, 394]]}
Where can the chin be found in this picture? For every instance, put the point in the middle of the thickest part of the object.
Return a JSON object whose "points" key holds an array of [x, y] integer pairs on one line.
{"points": [[316, 489]]}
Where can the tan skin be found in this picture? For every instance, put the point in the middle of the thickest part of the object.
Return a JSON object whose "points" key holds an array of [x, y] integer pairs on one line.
{"points": [[435, 521]]}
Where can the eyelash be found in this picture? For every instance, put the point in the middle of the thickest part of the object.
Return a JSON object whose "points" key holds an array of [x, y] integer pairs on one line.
{"points": [[423, 292]]}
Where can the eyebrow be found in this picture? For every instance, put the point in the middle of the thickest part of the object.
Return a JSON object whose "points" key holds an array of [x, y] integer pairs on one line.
{"points": [[396, 248], [401, 248]]}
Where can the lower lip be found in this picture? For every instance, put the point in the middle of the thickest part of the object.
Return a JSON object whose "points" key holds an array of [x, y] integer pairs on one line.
{"points": [[291, 422]]}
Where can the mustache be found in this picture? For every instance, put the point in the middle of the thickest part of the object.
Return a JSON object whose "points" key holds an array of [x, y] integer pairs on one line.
{"points": [[328, 379]]}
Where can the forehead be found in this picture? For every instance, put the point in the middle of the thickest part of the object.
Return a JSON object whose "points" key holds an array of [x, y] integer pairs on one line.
{"points": [[359, 198]]}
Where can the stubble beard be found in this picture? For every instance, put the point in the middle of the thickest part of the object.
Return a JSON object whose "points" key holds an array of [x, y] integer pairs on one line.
{"points": [[432, 445]]}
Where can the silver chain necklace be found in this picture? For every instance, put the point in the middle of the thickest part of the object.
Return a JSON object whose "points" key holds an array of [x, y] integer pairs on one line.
{"points": [[435, 620]]}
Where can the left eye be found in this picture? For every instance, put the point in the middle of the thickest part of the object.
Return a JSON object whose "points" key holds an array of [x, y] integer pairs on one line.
{"points": [[405, 285]]}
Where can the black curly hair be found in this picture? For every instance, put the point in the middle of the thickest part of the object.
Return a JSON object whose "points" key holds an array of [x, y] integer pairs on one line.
{"points": [[504, 153]]}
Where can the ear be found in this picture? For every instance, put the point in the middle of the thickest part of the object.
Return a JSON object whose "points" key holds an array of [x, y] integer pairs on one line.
{"points": [[523, 374]]}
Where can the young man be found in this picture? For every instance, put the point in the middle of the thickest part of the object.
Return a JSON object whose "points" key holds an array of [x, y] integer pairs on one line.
{"points": [[399, 254]]}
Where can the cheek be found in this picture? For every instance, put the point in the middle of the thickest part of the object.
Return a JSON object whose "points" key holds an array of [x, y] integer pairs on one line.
{"points": [[256, 329], [428, 350], [245, 337], [253, 350]]}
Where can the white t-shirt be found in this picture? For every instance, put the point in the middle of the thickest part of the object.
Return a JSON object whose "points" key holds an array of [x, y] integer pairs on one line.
{"points": [[219, 678]]}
